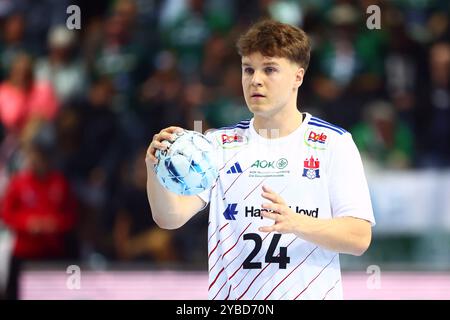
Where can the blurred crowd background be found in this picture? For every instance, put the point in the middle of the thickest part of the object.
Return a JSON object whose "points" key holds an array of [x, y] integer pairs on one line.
{"points": [[78, 109]]}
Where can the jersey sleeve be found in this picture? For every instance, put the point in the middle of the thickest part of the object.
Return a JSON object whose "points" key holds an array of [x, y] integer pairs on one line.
{"points": [[206, 195], [348, 189]]}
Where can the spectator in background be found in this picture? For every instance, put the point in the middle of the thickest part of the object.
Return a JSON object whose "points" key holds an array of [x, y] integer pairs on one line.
{"points": [[12, 41], [137, 238], [118, 56], [338, 65], [402, 67], [433, 117], [383, 139], [160, 95], [66, 74], [99, 131], [221, 103], [185, 27], [217, 51], [93, 161], [38, 207], [22, 97], [350, 65], [228, 106]]}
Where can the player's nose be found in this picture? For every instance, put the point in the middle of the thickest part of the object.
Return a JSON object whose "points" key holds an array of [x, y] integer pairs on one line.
{"points": [[257, 79]]}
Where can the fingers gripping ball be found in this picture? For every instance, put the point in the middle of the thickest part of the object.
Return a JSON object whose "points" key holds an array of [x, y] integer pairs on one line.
{"points": [[188, 166]]}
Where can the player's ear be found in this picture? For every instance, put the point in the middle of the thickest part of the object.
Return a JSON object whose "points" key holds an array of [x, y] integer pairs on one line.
{"points": [[299, 77]]}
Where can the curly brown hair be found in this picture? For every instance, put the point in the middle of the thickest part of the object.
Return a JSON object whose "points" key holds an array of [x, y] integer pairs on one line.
{"points": [[275, 39]]}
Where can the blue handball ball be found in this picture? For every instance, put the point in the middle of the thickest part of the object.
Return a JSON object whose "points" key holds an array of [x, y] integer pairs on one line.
{"points": [[189, 165]]}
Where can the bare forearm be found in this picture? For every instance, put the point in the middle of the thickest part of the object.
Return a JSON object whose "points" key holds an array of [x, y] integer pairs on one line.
{"points": [[169, 210], [345, 235], [164, 204]]}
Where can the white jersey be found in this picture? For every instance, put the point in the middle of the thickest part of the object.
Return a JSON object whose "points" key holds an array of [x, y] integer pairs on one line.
{"points": [[318, 171]]}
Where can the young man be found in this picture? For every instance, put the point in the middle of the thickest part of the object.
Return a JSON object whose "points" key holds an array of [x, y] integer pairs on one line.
{"points": [[291, 193]]}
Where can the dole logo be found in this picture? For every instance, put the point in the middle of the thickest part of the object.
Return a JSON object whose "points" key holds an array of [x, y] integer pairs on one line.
{"points": [[230, 139], [311, 168], [317, 137]]}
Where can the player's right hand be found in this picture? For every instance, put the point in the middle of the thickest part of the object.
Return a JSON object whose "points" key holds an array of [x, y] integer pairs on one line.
{"points": [[168, 134]]}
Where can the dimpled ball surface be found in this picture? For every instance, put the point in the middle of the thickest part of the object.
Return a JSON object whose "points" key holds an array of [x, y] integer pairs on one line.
{"points": [[189, 165]]}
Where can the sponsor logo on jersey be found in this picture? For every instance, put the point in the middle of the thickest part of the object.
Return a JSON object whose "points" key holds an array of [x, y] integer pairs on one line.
{"points": [[269, 168], [252, 212], [308, 212], [230, 212], [265, 164], [316, 139], [311, 168], [235, 168], [232, 141], [281, 163]]}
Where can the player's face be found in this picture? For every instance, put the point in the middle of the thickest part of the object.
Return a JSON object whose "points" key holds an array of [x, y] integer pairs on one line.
{"points": [[270, 84]]}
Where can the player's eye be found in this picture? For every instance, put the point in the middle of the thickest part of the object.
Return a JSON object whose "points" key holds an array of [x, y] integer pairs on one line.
{"points": [[269, 70], [249, 71]]}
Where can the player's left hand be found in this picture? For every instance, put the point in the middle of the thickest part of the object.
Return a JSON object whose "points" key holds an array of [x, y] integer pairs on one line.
{"points": [[286, 220]]}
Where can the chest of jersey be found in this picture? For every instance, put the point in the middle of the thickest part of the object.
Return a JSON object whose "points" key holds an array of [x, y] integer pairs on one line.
{"points": [[296, 172]]}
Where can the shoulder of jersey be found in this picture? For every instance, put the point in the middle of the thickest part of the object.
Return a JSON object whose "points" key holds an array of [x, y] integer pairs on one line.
{"points": [[319, 133], [231, 137]]}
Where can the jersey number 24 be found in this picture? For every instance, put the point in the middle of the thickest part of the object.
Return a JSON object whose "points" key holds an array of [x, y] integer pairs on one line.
{"points": [[282, 258]]}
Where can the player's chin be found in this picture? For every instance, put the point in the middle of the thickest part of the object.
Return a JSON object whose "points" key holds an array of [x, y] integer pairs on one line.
{"points": [[258, 108]]}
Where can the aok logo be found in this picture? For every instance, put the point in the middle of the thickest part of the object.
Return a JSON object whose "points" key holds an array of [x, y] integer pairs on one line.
{"points": [[264, 164]]}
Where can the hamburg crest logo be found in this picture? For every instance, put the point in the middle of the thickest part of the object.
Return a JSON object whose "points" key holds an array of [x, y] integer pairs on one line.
{"points": [[311, 168]]}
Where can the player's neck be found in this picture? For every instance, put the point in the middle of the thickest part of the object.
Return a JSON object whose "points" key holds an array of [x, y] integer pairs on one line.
{"points": [[278, 125]]}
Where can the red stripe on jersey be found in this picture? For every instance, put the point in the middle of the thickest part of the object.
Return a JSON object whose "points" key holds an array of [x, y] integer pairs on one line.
{"points": [[209, 255], [331, 289], [213, 234], [219, 231], [210, 286], [220, 289], [255, 187], [314, 278], [241, 279], [228, 295], [233, 261], [224, 226], [236, 241], [215, 263], [268, 279], [254, 279], [227, 238], [295, 238], [290, 273]]}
